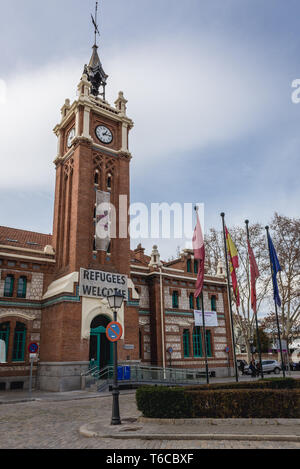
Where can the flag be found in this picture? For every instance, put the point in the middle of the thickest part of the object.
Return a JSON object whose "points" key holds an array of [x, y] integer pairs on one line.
{"points": [[275, 269], [254, 273], [199, 254], [233, 264]]}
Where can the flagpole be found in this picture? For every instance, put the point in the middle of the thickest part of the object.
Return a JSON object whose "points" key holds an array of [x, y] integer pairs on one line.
{"points": [[255, 314], [229, 297], [276, 311], [204, 338], [203, 324]]}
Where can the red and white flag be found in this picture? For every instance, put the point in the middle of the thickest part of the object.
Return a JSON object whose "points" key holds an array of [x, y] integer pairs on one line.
{"points": [[199, 254]]}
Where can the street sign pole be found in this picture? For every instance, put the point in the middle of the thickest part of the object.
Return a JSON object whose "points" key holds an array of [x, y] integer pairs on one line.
{"points": [[116, 420], [33, 348], [30, 377]]}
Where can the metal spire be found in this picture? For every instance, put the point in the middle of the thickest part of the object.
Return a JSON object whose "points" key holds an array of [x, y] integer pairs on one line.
{"points": [[94, 20], [94, 70]]}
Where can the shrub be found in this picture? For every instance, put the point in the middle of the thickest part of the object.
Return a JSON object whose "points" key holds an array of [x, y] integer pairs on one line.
{"points": [[246, 403], [164, 402], [268, 383]]}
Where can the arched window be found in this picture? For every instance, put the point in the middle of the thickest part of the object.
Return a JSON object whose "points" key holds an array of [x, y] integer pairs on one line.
{"points": [[4, 335], [189, 265], [197, 342], [97, 178], [9, 286], [175, 299], [22, 287], [196, 267], [19, 342], [109, 181], [191, 298], [213, 302], [186, 343]]}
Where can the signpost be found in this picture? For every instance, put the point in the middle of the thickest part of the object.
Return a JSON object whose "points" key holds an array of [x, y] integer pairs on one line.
{"points": [[33, 355], [170, 351]]}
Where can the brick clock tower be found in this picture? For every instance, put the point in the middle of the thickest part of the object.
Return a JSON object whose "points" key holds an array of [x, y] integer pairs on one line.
{"points": [[92, 165]]}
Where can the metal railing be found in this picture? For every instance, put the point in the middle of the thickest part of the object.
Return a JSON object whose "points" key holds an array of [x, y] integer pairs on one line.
{"points": [[142, 374]]}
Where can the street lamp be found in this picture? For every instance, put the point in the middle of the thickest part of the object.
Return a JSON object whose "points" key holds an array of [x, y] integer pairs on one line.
{"points": [[115, 301]]}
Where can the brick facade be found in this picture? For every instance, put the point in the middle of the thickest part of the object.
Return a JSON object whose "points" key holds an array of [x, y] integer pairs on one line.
{"points": [[50, 311]]}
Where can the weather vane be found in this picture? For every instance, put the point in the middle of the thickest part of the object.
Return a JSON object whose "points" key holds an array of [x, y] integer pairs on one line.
{"points": [[94, 20]]}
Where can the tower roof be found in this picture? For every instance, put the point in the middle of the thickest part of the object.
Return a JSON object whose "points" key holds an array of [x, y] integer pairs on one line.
{"points": [[94, 69]]}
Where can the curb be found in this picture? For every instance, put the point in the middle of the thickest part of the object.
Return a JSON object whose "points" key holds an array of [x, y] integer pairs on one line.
{"points": [[211, 421], [192, 436], [18, 401]]}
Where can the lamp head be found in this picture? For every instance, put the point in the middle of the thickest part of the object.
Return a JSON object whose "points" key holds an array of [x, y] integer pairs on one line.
{"points": [[115, 300]]}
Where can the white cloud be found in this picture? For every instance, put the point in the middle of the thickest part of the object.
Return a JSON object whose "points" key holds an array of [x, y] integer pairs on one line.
{"points": [[182, 95]]}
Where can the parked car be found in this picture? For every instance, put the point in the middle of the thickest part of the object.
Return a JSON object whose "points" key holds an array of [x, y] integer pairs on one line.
{"points": [[269, 366]]}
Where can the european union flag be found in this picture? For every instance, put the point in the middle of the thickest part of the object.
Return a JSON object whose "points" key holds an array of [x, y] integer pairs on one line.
{"points": [[275, 269]]}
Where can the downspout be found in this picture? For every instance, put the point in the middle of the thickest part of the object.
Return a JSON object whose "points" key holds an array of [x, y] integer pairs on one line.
{"points": [[162, 324]]}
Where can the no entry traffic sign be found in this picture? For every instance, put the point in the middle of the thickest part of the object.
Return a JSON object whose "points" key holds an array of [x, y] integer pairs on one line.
{"points": [[114, 331]]}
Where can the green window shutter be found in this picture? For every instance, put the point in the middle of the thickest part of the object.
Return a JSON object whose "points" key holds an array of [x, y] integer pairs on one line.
{"points": [[208, 344], [186, 343], [196, 267], [197, 342], [213, 302], [4, 335], [19, 343], [189, 265], [191, 301], [175, 299], [9, 286], [198, 303], [22, 287]]}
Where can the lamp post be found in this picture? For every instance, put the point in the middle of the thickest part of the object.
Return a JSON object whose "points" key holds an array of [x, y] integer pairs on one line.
{"points": [[115, 302]]}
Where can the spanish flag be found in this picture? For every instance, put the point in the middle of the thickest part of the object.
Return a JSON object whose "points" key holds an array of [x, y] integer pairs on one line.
{"points": [[233, 264]]}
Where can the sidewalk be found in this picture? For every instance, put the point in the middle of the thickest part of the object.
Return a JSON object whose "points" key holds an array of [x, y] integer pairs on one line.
{"points": [[13, 397], [139, 428]]}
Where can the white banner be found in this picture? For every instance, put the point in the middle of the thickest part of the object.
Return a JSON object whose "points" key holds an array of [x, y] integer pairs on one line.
{"points": [[210, 317], [98, 284], [102, 221]]}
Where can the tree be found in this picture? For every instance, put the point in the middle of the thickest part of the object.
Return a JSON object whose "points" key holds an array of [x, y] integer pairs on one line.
{"points": [[263, 340], [214, 245], [286, 239], [285, 233]]}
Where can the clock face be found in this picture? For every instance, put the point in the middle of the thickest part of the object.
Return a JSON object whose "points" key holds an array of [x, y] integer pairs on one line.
{"points": [[71, 135], [104, 134]]}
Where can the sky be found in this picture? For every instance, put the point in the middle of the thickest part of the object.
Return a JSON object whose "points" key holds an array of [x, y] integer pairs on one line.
{"points": [[209, 88]]}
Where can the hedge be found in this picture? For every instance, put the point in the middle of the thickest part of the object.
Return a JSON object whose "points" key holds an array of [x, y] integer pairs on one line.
{"points": [[165, 402], [246, 403], [268, 383]]}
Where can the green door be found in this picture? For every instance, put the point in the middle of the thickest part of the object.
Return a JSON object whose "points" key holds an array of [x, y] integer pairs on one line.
{"points": [[101, 349]]}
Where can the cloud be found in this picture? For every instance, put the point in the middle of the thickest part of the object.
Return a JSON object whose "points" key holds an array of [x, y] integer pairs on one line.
{"points": [[183, 94]]}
